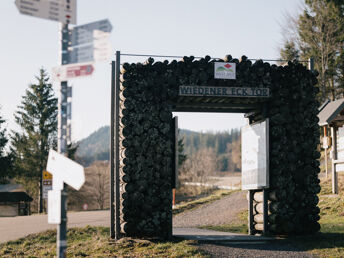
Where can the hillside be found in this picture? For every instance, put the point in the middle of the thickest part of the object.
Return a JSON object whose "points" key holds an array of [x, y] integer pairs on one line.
{"points": [[94, 147], [225, 145]]}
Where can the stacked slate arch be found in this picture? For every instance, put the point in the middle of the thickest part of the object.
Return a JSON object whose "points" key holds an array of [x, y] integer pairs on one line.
{"points": [[149, 94]]}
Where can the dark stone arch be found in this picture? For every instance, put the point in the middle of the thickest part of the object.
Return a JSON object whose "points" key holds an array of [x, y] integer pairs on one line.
{"points": [[149, 93]]}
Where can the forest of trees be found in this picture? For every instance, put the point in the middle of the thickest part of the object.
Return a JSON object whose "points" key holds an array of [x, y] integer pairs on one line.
{"points": [[226, 147]]}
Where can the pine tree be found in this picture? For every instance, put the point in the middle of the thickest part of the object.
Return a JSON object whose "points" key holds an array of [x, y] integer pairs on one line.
{"points": [[181, 156], [37, 118], [5, 159], [289, 51]]}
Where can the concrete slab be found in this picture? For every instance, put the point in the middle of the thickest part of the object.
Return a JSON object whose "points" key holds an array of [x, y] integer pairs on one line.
{"points": [[211, 235]]}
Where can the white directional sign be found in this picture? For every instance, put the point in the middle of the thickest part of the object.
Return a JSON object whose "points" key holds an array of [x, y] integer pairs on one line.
{"points": [[255, 156], [65, 170], [81, 54], [84, 34], [57, 10], [99, 50]]}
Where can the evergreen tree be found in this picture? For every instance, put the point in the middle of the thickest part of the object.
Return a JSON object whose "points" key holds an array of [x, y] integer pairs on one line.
{"points": [[289, 52], [37, 118], [320, 35], [181, 156], [5, 159]]}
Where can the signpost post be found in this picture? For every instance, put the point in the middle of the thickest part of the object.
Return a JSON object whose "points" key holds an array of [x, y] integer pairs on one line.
{"points": [[88, 42]]}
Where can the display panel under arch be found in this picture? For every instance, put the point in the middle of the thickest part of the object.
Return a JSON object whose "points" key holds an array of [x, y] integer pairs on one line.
{"points": [[149, 92]]}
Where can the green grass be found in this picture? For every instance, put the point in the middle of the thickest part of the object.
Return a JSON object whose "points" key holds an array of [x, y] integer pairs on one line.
{"points": [[216, 195], [329, 242], [94, 242]]}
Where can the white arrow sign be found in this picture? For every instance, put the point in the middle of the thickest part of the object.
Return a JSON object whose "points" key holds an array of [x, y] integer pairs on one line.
{"points": [[65, 170], [57, 10]]}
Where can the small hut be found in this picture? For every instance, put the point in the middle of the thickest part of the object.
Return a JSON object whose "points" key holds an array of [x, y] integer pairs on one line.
{"points": [[331, 117], [14, 201]]}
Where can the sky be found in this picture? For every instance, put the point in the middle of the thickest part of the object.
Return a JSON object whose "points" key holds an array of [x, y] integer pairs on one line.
{"points": [[178, 28]]}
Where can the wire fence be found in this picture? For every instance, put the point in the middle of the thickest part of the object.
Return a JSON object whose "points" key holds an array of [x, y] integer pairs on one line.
{"points": [[198, 57]]}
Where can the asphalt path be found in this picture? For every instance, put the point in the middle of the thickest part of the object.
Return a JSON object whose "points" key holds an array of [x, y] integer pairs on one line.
{"points": [[12, 228]]}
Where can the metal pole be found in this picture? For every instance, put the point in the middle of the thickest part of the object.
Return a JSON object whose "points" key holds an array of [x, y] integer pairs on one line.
{"points": [[61, 241], [325, 152], [265, 211], [112, 156], [311, 64], [334, 157], [117, 192], [251, 230]]}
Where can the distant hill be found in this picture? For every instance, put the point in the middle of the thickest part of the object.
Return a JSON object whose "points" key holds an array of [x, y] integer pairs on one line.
{"points": [[94, 147], [226, 146]]}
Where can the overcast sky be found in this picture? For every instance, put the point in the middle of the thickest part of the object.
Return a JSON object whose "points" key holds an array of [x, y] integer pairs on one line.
{"points": [[192, 27]]}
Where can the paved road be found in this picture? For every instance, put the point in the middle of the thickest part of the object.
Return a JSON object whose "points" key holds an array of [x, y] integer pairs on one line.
{"points": [[12, 228]]}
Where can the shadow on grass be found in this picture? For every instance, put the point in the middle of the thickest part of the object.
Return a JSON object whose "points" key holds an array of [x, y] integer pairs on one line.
{"points": [[318, 241]]}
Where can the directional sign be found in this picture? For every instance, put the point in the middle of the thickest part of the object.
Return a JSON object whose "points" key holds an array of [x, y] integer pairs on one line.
{"points": [[66, 72], [84, 34], [57, 10], [100, 50], [65, 170], [81, 54]]}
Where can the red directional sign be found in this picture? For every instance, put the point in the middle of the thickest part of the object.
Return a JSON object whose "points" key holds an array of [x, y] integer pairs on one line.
{"points": [[79, 70], [66, 72]]}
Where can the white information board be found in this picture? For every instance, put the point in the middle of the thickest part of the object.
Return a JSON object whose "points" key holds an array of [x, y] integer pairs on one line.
{"points": [[255, 156]]}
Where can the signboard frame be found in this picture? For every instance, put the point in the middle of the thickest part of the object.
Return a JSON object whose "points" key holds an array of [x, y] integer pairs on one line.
{"points": [[218, 91], [245, 177]]}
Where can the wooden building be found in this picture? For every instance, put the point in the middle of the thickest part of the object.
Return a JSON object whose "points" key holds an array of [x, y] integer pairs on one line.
{"points": [[14, 201], [331, 119]]}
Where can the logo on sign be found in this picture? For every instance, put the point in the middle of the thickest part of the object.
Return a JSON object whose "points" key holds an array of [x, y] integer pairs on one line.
{"points": [[225, 70]]}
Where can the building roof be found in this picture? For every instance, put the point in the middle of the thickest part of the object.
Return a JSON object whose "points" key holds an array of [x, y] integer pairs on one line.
{"points": [[11, 188], [331, 113], [15, 197]]}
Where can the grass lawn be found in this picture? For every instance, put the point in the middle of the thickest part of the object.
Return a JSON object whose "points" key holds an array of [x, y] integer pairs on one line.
{"points": [[94, 242], [329, 242]]}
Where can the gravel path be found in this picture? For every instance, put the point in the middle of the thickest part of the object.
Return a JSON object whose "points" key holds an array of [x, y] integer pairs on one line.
{"points": [[223, 211]]}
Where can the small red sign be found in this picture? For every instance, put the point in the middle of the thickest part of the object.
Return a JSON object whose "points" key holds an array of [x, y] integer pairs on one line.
{"points": [[80, 70]]}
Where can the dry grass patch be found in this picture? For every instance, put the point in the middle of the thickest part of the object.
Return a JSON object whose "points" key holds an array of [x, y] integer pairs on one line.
{"points": [[94, 242]]}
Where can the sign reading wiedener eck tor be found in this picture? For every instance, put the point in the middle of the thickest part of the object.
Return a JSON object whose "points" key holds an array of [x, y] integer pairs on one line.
{"points": [[223, 91]]}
